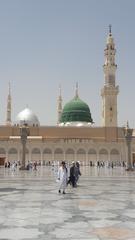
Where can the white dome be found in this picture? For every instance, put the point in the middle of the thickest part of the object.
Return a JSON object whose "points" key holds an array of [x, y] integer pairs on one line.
{"points": [[28, 117]]}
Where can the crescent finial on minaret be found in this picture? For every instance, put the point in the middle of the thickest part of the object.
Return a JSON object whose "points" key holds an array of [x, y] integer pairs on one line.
{"points": [[127, 125], [59, 89], [76, 91], [9, 88], [110, 29]]}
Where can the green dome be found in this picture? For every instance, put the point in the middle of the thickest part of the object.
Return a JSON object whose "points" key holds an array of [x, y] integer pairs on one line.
{"points": [[76, 111]]}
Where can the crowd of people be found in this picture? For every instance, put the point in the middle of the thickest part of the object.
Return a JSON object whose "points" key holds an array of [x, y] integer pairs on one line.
{"points": [[12, 165], [66, 174], [29, 166]]}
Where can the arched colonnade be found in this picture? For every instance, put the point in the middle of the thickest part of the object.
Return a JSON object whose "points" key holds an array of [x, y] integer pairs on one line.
{"points": [[48, 155]]}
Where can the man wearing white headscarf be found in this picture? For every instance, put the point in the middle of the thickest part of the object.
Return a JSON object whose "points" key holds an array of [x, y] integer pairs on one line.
{"points": [[63, 177]]}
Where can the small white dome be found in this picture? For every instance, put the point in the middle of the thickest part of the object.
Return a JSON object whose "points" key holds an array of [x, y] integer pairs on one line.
{"points": [[28, 117]]}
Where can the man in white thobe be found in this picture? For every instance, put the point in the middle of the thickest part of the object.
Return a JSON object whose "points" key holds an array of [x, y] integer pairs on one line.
{"points": [[63, 177]]}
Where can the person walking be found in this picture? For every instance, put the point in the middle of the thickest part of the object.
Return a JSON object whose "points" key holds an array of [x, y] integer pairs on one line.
{"points": [[72, 175], [77, 172], [62, 177]]}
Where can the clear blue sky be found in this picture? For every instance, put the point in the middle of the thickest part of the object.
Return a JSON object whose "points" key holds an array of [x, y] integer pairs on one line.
{"points": [[44, 43]]}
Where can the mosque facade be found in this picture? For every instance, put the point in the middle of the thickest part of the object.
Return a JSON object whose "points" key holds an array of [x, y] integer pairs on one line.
{"points": [[75, 137]]}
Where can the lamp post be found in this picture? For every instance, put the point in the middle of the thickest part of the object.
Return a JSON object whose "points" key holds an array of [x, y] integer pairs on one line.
{"points": [[24, 132], [128, 137]]}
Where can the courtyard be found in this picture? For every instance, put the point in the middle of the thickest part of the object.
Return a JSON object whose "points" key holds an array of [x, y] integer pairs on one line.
{"points": [[102, 207]]}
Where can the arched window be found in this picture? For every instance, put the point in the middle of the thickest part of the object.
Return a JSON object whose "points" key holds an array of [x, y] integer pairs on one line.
{"points": [[58, 151], [92, 151], [36, 151], [47, 151], [114, 151], [69, 151], [12, 151], [2, 151], [81, 151], [103, 151]]}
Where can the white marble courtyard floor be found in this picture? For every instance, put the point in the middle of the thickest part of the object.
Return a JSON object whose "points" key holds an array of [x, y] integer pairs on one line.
{"points": [[102, 207]]}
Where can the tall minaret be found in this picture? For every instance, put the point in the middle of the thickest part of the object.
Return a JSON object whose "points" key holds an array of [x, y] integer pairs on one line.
{"points": [[59, 109], [110, 90], [8, 117]]}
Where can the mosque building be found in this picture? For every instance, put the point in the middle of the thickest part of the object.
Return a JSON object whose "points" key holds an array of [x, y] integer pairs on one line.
{"points": [[74, 138]]}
